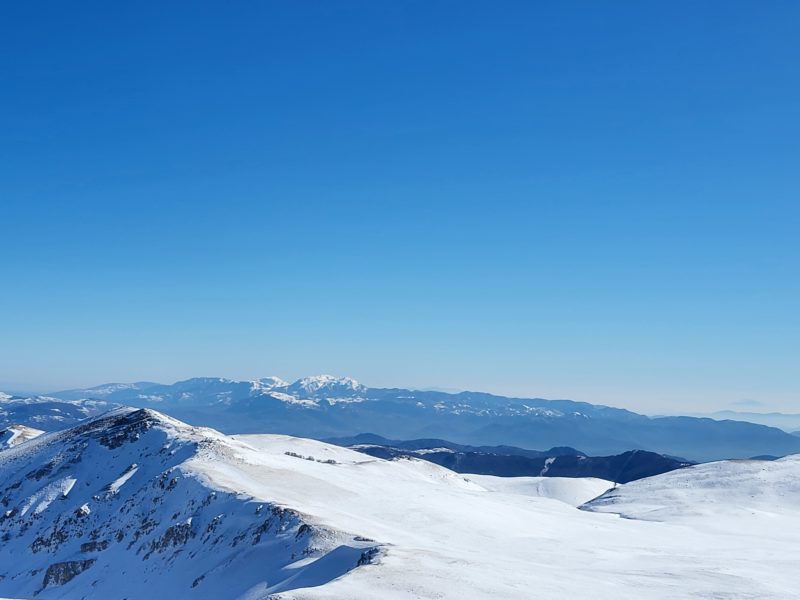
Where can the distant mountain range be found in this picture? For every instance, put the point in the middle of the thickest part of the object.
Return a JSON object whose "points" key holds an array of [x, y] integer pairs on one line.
{"points": [[507, 461], [787, 421], [325, 407]]}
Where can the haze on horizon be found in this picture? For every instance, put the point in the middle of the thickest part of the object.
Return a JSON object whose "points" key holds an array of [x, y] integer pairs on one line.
{"points": [[585, 201]]}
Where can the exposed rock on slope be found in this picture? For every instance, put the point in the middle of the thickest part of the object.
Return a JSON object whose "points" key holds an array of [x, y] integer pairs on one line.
{"points": [[116, 505]]}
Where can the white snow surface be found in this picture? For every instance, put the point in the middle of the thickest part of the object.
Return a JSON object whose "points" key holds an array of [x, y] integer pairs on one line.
{"points": [[116, 508], [730, 534], [17, 434], [710, 492], [571, 490]]}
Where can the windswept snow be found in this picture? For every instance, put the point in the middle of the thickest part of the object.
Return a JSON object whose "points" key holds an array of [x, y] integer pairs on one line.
{"points": [[114, 486], [40, 500], [746, 489], [549, 461], [571, 490]]}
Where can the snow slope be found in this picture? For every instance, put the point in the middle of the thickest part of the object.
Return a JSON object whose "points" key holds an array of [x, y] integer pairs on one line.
{"points": [[733, 489], [160, 509], [114, 508], [447, 537], [17, 434], [571, 490]]}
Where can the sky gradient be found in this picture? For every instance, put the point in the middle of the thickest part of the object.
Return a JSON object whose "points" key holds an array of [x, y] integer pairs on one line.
{"points": [[596, 201]]}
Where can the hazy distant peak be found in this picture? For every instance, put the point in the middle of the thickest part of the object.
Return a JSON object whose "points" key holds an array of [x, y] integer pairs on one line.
{"points": [[271, 382], [197, 381], [103, 390]]}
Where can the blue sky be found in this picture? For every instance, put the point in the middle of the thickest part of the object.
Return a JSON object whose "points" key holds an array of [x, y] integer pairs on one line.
{"points": [[591, 200]]}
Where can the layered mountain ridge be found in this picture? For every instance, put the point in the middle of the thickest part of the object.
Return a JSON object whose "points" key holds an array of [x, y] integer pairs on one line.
{"points": [[324, 407]]}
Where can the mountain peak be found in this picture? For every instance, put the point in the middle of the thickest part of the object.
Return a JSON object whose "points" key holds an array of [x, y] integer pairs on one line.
{"points": [[126, 424], [133, 501], [327, 384], [271, 382]]}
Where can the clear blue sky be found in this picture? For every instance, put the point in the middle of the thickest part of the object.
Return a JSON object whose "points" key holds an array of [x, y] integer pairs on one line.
{"points": [[592, 200]]}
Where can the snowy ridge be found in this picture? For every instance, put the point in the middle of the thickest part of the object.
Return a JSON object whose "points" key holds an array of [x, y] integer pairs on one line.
{"points": [[326, 406], [120, 495], [731, 489]]}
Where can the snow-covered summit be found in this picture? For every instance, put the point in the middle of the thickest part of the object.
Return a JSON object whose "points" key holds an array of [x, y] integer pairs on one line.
{"points": [[331, 406], [134, 501], [327, 385], [272, 382]]}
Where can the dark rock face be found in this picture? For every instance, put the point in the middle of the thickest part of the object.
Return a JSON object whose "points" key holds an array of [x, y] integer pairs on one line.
{"points": [[114, 430], [63, 572], [94, 546], [175, 535]]}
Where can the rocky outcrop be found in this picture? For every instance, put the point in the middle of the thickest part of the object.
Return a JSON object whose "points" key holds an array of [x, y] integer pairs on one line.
{"points": [[62, 572]]}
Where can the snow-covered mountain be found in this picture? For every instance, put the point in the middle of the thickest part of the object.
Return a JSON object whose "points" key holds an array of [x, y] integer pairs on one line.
{"points": [[327, 387], [102, 391], [325, 406], [134, 505], [787, 422], [48, 413]]}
